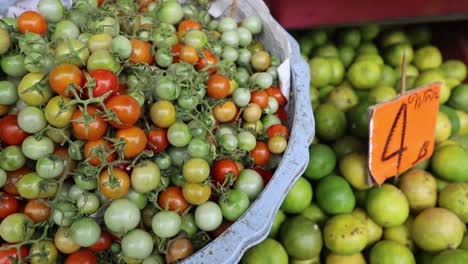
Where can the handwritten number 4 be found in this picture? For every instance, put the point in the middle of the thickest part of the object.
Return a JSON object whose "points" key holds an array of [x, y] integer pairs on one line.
{"points": [[402, 114]]}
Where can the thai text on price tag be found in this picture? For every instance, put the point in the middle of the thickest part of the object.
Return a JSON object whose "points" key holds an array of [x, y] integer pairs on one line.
{"points": [[402, 132]]}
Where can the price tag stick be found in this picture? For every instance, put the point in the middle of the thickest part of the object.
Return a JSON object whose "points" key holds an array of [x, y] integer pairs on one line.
{"points": [[402, 131]]}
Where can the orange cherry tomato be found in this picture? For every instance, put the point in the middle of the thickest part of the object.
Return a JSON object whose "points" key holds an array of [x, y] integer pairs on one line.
{"points": [[33, 22], [259, 97], [261, 154], [114, 185], [126, 108], [63, 75], [135, 140], [188, 54], [37, 210], [225, 112], [188, 24], [276, 93], [173, 198], [141, 52], [278, 130], [91, 129], [95, 147], [218, 87], [207, 59]]}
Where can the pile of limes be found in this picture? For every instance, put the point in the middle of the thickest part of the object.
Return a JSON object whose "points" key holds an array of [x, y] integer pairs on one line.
{"points": [[332, 215]]}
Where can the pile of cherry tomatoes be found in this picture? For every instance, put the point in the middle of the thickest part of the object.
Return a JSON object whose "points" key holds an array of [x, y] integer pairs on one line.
{"points": [[131, 132]]}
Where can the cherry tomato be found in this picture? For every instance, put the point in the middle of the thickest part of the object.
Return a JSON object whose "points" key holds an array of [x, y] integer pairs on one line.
{"points": [[95, 128], [10, 132], [82, 257], [259, 97], [282, 114], [188, 24], [5, 255], [223, 227], [276, 93], [37, 210], [176, 52], [188, 54], [126, 109], [218, 87], [225, 112], [8, 205], [260, 154], [141, 52], [104, 242], [63, 75], [98, 148], [278, 130], [173, 198], [106, 81], [196, 193], [206, 60], [222, 168], [64, 242], [266, 174], [12, 179], [135, 140], [157, 140], [115, 185], [163, 113], [33, 22]]}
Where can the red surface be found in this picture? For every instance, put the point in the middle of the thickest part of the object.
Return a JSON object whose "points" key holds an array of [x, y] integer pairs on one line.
{"points": [[305, 13]]}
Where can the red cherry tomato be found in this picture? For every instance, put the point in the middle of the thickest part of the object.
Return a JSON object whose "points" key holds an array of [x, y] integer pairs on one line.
{"points": [[8, 205], [222, 168], [33, 22], [157, 140], [10, 132], [261, 154], [282, 114], [176, 51], [104, 242], [84, 256], [173, 198], [266, 174], [5, 255], [276, 93], [126, 109], [277, 130], [106, 81], [206, 60]]}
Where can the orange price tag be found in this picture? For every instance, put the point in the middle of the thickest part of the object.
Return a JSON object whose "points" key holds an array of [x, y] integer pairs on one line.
{"points": [[402, 132]]}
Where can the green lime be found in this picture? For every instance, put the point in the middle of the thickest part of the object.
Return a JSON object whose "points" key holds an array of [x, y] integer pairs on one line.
{"points": [[388, 77], [346, 145], [363, 95], [374, 231], [461, 140], [343, 97], [346, 54], [306, 46], [345, 234], [387, 205], [463, 117], [451, 82], [334, 258], [330, 122], [314, 97], [381, 94], [436, 229], [451, 256], [301, 238], [394, 54], [269, 251], [443, 127], [349, 36], [454, 69], [452, 115], [361, 197], [358, 119], [401, 234], [327, 51], [279, 220], [337, 70], [420, 188], [420, 35], [334, 195], [318, 36], [321, 72], [369, 31], [454, 197], [427, 57], [322, 161], [367, 48], [364, 74], [354, 168], [459, 98], [431, 76], [390, 252], [314, 214], [411, 70], [325, 91], [298, 198], [393, 37], [373, 57], [449, 163]]}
